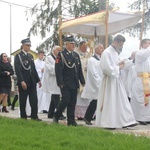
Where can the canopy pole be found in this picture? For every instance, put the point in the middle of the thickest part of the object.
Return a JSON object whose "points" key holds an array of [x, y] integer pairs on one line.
{"points": [[60, 32], [106, 24], [142, 24]]}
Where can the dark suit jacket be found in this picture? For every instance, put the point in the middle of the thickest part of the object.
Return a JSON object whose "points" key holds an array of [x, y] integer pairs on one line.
{"points": [[5, 80], [29, 76], [65, 74]]}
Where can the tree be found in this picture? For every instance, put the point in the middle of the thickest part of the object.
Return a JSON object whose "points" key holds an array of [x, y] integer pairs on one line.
{"points": [[46, 17], [138, 6]]}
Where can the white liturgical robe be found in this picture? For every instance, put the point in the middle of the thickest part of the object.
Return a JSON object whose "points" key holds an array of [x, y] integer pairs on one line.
{"points": [[142, 64], [113, 107], [94, 77], [49, 78]]}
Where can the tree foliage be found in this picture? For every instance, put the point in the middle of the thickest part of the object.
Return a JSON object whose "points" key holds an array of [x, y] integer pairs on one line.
{"points": [[46, 17], [138, 6]]}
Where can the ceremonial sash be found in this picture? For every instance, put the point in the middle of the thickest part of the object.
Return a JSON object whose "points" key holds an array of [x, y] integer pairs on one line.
{"points": [[146, 86]]}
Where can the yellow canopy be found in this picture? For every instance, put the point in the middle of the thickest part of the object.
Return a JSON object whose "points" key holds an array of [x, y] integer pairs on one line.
{"points": [[95, 24]]}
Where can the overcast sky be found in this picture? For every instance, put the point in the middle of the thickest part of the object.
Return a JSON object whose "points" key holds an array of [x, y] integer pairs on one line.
{"points": [[20, 26]]}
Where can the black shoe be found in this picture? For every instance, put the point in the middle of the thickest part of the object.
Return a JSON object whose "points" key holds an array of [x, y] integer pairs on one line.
{"points": [[12, 108], [62, 117], [79, 118], [55, 120], [142, 122], [72, 124], [49, 116], [45, 111], [110, 128], [37, 119], [87, 122], [131, 125]]}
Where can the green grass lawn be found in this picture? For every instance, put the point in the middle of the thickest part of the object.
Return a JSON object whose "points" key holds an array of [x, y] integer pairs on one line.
{"points": [[18, 134]]}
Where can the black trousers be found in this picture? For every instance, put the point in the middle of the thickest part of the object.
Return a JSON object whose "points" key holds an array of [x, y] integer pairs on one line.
{"points": [[91, 110], [14, 101], [69, 99], [8, 100], [55, 99], [32, 93]]}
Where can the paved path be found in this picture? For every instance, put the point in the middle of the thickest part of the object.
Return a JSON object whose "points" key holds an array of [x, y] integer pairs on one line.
{"points": [[137, 130]]}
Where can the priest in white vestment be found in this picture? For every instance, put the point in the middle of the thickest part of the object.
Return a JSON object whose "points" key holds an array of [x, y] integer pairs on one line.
{"points": [[93, 80], [49, 82], [113, 107], [82, 103], [140, 98]]}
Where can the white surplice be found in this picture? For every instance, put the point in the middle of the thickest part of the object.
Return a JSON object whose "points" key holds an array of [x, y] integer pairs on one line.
{"points": [[43, 103], [94, 77], [49, 78], [142, 64], [113, 107]]}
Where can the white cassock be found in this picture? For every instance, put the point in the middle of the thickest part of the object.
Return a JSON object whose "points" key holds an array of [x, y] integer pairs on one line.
{"points": [[142, 64], [82, 103], [94, 77], [113, 107], [49, 79]]}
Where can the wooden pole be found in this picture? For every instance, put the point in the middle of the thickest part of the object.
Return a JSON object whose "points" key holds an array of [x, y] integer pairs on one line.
{"points": [[60, 32], [142, 24], [106, 24]]}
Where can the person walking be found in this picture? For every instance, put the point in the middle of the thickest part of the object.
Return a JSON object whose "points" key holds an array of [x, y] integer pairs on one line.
{"points": [[68, 71], [82, 103], [6, 70], [140, 96], [113, 107], [49, 84], [27, 77], [93, 81]]}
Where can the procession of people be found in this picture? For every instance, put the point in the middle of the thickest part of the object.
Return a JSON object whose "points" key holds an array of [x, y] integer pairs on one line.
{"points": [[74, 84]]}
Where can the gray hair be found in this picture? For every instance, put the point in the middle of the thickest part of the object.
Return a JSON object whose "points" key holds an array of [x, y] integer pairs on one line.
{"points": [[55, 47], [97, 46]]}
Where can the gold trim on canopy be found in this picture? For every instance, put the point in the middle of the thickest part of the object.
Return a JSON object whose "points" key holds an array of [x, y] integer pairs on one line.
{"points": [[94, 18]]}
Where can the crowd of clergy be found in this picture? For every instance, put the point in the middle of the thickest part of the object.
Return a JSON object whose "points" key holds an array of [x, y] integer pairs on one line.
{"points": [[112, 93]]}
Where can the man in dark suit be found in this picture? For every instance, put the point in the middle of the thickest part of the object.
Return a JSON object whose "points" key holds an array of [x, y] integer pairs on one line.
{"points": [[27, 79], [68, 73]]}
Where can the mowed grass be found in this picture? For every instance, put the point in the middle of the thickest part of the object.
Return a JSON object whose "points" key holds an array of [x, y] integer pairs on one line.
{"points": [[18, 134]]}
